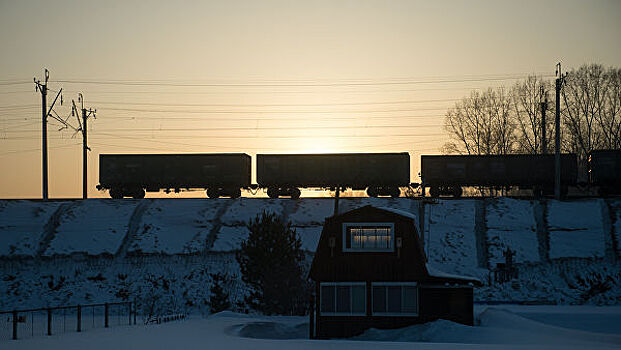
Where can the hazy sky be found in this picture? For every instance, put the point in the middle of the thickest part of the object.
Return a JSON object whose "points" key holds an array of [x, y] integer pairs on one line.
{"points": [[269, 76]]}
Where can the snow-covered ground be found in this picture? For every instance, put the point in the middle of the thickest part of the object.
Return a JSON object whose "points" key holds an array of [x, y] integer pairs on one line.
{"points": [[498, 327], [22, 226], [511, 224], [168, 248], [90, 227], [450, 237], [576, 229]]}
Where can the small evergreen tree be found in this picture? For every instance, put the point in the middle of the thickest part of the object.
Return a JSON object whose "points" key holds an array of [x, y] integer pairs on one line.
{"points": [[271, 263], [219, 299]]}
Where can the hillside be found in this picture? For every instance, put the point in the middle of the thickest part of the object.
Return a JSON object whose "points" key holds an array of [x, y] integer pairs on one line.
{"points": [[98, 250]]}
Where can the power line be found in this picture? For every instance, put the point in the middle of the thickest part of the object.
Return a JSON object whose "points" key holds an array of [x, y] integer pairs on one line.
{"points": [[275, 105], [159, 83], [36, 149], [313, 127], [265, 112]]}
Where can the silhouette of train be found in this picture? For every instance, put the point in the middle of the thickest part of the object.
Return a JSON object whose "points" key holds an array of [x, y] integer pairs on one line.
{"points": [[380, 174]]}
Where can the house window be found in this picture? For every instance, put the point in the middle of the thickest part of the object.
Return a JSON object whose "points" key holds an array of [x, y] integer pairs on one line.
{"points": [[368, 237], [343, 298], [395, 298]]}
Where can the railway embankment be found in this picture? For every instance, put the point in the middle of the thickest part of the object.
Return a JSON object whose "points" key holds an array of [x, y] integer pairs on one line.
{"points": [[99, 250]]}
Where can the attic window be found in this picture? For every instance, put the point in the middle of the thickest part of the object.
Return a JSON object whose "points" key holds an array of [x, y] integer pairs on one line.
{"points": [[368, 237]]}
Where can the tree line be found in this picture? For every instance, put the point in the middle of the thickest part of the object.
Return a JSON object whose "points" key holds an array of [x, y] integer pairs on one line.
{"points": [[507, 120]]}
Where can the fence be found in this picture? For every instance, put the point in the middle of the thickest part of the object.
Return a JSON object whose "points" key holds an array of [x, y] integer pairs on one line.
{"points": [[18, 324]]}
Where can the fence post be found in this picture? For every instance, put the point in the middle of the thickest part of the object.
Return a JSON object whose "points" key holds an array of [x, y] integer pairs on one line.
{"points": [[14, 324], [129, 313], [49, 321], [135, 310], [79, 318], [106, 313]]}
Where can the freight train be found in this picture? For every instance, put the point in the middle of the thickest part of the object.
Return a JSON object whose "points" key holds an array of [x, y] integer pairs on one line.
{"points": [[225, 175], [380, 174]]}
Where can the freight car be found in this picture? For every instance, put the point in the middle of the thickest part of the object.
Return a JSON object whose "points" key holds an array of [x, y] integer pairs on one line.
{"points": [[447, 174], [129, 175], [381, 174], [604, 167]]}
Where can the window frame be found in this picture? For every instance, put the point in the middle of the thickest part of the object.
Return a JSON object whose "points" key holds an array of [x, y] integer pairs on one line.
{"points": [[393, 284], [390, 225], [341, 284]]}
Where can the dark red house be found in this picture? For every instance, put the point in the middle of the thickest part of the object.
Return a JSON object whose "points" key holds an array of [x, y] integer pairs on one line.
{"points": [[370, 271]]}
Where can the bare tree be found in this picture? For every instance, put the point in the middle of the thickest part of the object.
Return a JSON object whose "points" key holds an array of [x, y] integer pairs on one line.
{"points": [[498, 107], [609, 117], [583, 99], [526, 98], [480, 124]]}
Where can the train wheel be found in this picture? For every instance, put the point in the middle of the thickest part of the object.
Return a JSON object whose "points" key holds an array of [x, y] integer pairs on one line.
{"points": [[295, 193], [457, 192], [138, 193], [372, 192], [395, 192], [236, 193], [115, 193], [272, 192], [212, 193], [434, 192]]}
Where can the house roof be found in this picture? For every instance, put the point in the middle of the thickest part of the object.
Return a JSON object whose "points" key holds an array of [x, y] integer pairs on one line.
{"points": [[412, 262], [433, 272], [400, 212]]}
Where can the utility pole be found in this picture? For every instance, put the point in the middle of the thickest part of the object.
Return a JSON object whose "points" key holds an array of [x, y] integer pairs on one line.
{"points": [[560, 80], [544, 107], [337, 195], [45, 112], [84, 114]]}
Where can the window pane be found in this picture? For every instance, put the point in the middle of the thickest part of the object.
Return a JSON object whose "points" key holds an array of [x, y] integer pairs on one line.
{"points": [[327, 299], [358, 299], [379, 299], [343, 299], [368, 237], [409, 300], [394, 299]]}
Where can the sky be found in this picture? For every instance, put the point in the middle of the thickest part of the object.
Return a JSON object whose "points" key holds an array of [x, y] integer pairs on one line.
{"points": [[268, 76]]}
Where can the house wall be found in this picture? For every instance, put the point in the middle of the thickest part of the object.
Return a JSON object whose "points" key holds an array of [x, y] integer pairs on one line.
{"points": [[434, 302]]}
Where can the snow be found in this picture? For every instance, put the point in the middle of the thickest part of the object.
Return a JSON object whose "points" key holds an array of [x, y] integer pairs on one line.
{"points": [[175, 227], [573, 222], [22, 224], [615, 205], [511, 224], [437, 273], [309, 236], [312, 212], [499, 327], [402, 213], [92, 227], [450, 241], [241, 210], [229, 238]]}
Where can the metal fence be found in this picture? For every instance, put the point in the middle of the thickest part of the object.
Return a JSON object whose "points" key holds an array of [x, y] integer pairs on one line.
{"points": [[20, 324]]}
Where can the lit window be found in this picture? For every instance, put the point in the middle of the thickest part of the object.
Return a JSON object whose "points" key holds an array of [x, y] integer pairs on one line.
{"points": [[395, 298], [368, 237], [343, 298]]}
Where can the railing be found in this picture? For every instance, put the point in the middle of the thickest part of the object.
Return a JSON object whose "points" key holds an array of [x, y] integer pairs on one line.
{"points": [[18, 324]]}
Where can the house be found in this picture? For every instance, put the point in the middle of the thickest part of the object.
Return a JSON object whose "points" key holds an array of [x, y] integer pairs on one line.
{"points": [[370, 271]]}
